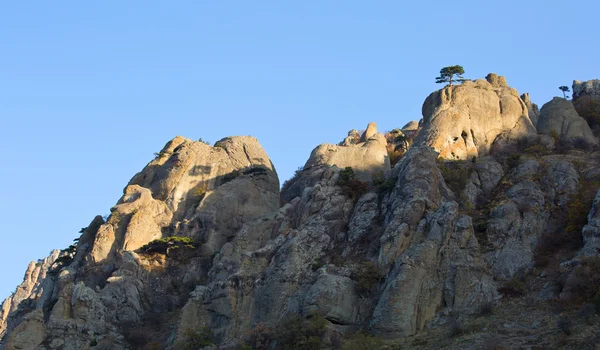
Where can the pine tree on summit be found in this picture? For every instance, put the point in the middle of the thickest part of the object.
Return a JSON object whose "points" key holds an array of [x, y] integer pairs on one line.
{"points": [[564, 90], [447, 74]]}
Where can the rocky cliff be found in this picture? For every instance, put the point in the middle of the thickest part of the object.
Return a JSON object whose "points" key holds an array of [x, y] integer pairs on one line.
{"points": [[481, 212]]}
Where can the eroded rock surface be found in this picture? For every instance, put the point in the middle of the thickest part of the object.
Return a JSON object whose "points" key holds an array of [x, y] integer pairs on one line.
{"points": [[558, 117], [463, 121]]}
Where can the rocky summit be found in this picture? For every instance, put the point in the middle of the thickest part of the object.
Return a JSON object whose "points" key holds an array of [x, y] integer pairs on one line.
{"points": [[477, 227]]}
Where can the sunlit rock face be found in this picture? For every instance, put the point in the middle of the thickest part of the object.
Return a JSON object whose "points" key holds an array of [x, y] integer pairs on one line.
{"points": [[367, 157], [464, 121]]}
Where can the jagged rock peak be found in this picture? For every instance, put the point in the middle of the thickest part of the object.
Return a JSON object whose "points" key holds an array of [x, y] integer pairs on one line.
{"points": [[30, 291], [465, 120], [532, 108], [366, 157]]}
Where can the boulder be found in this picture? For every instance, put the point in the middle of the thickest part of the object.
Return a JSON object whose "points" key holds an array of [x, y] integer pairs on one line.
{"points": [[463, 121], [558, 117]]}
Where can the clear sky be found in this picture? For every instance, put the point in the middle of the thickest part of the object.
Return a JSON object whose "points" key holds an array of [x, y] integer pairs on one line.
{"points": [[89, 90]]}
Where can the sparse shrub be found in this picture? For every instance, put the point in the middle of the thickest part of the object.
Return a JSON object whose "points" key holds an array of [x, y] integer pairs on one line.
{"points": [[351, 186], [205, 142], [486, 308], [200, 191], [565, 325], [297, 333], [195, 339], [586, 312], [166, 244], [513, 288], [384, 185], [582, 144], [536, 150], [259, 337], [394, 154], [366, 277], [256, 170], [584, 284], [456, 173], [589, 109], [229, 176], [513, 161], [555, 136], [455, 326], [289, 182], [362, 341]]}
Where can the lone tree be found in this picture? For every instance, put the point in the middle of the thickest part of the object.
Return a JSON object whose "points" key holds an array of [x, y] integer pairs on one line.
{"points": [[564, 89], [447, 74]]}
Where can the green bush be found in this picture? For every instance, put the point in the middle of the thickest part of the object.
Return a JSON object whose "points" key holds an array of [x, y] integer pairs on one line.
{"points": [[362, 341], [382, 184], [513, 160], [585, 282], [289, 182], [194, 339], [351, 186], [366, 277], [297, 333], [513, 288], [164, 245]]}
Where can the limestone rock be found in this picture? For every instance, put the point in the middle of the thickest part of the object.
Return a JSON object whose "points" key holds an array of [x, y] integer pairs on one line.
{"points": [[532, 109], [30, 291], [560, 118], [591, 231], [463, 121], [334, 297], [411, 126], [589, 88], [369, 132], [365, 158], [29, 334]]}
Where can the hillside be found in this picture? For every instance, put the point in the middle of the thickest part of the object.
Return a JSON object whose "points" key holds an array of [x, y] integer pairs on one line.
{"points": [[475, 227]]}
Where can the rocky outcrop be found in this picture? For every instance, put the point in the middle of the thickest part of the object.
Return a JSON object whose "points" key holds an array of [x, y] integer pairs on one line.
{"points": [[365, 158], [589, 88], [30, 291], [532, 109], [558, 117], [463, 121], [591, 231], [436, 258]]}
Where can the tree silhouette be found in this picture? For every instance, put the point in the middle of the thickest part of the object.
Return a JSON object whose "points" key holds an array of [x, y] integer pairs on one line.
{"points": [[447, 74], [564, 89]]}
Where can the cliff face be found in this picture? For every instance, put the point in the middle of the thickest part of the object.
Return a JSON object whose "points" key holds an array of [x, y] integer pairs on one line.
{"points": [[393, 251]]}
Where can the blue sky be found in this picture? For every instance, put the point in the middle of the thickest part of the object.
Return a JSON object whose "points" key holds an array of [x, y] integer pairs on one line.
{"points": [[90, 90]]}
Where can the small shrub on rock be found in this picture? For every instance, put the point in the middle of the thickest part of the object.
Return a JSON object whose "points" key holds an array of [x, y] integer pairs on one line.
{"points": [[362, 341], [513, 288], [164, 245], [585, 282], [195, 339], [565, 325], [350, 185], [367, 277], [297, 333]]}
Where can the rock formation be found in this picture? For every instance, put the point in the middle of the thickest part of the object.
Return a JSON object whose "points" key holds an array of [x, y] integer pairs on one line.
{"points": [[464, 121], [589, 88], [200, 243], [558, 117], [367, 157]]}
